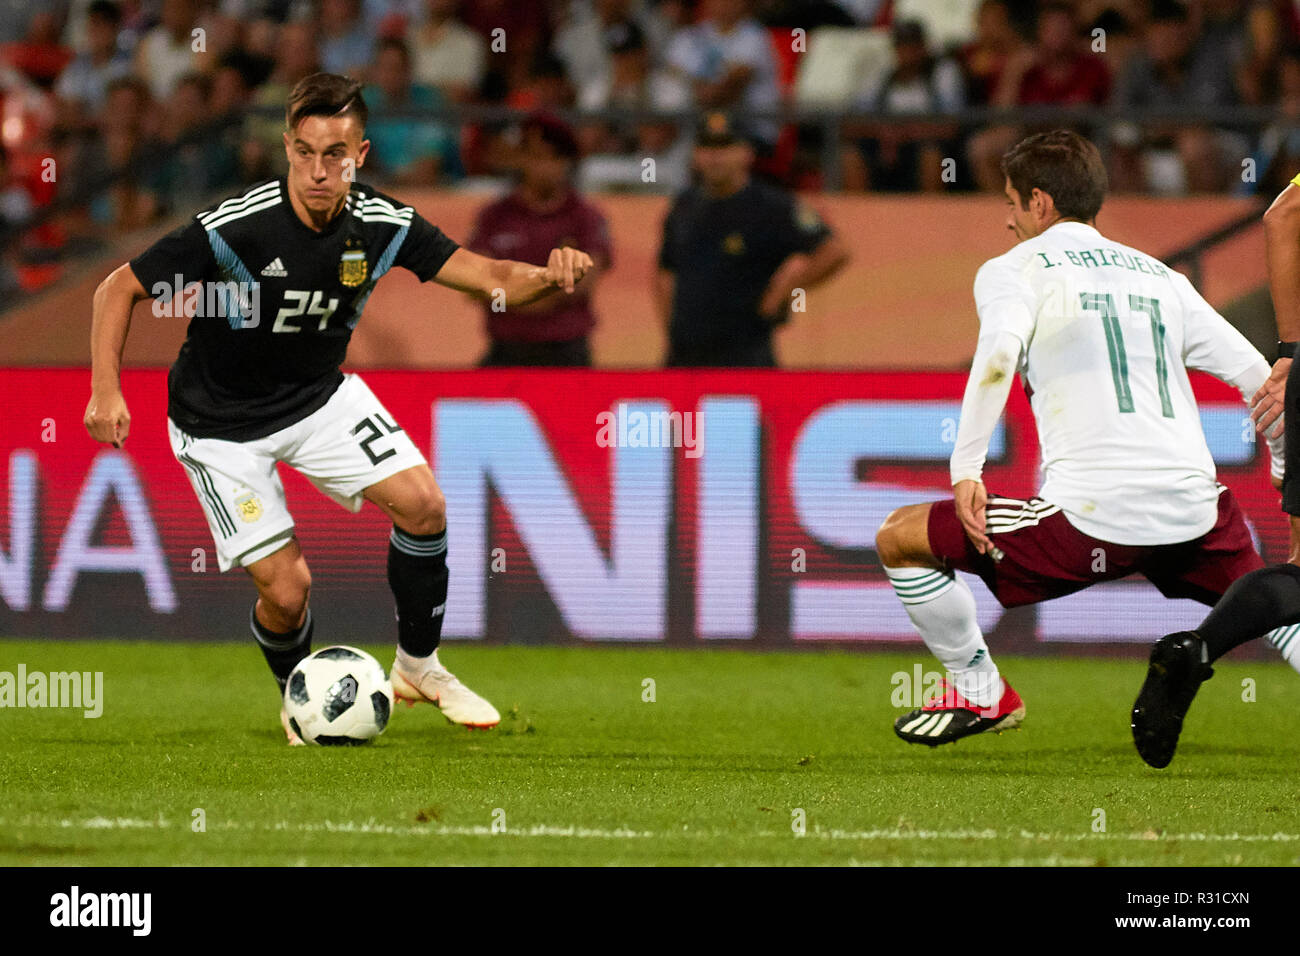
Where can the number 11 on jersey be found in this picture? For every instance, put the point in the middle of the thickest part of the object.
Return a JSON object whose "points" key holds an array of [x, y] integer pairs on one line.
{"points": [[1104, 303]]}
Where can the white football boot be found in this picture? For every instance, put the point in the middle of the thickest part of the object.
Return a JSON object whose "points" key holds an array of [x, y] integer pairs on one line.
{"points": [[294, 739], [424, 678]]}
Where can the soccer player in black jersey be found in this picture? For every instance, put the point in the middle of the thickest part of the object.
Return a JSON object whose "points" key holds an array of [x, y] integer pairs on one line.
{"points": [[287, 267], [1267, 600]]}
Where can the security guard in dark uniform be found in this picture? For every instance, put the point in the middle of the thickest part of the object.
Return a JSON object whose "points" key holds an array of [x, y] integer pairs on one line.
{"points": [[734, 252]]}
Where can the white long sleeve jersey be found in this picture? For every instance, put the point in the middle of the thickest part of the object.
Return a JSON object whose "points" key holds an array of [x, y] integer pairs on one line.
{"points": [[1103, 336]]}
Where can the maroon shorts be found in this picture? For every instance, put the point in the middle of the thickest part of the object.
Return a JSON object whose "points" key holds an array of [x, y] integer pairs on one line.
{"points": [[1043, 556]]}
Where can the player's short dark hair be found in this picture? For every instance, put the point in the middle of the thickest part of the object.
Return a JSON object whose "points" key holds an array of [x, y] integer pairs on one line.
{"points": [[325, 94], [1062, 164]]}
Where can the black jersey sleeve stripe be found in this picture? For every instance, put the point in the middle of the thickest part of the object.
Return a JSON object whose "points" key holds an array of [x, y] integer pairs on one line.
{"points": [[223, 517]]}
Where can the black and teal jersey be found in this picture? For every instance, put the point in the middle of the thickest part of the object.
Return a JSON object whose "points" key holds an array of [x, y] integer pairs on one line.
{"points": [[272, 303]]}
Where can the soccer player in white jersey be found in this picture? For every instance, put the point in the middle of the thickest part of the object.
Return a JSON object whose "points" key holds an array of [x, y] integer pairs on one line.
{"points": [[1102, 336]]}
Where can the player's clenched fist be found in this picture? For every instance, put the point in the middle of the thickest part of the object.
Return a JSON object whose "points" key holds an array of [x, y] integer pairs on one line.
{"points": [[566, 267], [107, 418]]}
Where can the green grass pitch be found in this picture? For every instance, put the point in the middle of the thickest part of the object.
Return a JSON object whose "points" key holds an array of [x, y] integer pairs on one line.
{"points": [[733, 752]]}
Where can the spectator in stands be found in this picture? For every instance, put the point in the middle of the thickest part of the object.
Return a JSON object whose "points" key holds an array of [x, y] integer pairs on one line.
{"points": [[616, 152], [238, 74], [262, 153], [545, 212], [39, 56], [16, 24], [1220, 27], [391, 18], [812, 14], [16, 205], [1259, 61], [200, 159], [15, 210], [169, 50], [1059, 70], [587, 41], [406, 150], [907, 156], [262, 40], [517, 34], [1278, 157], [628, 82], [346, 46], [865, 12], [734, 251], [545, 87], [1118, 39], [1172, 72], [128, 147], [83, 85], [445, 53], [728, 63], [996, 41]]}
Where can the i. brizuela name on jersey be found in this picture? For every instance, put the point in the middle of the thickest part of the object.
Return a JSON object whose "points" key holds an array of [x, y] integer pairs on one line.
{"points": [[242, 375]]}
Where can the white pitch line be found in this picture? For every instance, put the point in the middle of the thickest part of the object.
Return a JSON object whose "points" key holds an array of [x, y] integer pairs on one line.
{"points": [[574, 831]]}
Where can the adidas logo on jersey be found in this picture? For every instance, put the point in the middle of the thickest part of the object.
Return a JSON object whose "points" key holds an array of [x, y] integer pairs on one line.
{"points": [[276, 269]]}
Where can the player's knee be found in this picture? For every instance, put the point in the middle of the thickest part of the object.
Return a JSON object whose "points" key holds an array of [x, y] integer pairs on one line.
{"points": [[889, 539], [896, 539], [429, 512], [287, 594]]}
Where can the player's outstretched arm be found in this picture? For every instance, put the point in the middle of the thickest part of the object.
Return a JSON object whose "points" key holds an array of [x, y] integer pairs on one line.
{"points": [[518, 282], [1211, 344], [1282, 243], [107, 418]]}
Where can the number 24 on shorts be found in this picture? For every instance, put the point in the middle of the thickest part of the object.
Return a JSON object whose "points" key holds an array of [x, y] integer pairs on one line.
{"points": [[372, 430]]}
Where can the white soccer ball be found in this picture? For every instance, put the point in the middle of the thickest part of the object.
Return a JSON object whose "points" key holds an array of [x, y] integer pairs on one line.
{"points": [[338, 695]]}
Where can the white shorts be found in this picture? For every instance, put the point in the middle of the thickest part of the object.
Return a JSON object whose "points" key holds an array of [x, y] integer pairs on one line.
{"points": [[342, 448]]}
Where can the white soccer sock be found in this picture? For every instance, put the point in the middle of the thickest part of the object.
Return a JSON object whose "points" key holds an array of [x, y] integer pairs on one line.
{"points": [[942, 609], [1287, 641]]}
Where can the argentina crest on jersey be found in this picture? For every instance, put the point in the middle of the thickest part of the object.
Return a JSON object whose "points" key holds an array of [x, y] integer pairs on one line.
{"points": [[352, 266]]}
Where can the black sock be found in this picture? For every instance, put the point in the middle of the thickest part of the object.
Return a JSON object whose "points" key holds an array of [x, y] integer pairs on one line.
{"points": [[1255, 604], [282, 651], [417, 573]]}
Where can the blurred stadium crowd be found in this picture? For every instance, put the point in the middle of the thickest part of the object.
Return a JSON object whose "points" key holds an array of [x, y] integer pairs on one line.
{"points": [[117, 113]]}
